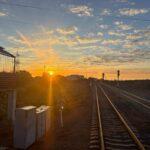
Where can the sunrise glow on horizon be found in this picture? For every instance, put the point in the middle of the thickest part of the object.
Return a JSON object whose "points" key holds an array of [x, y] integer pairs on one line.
{"points": [[79, 37]]}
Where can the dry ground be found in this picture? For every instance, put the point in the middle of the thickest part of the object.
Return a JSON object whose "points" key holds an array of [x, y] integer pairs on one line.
{"points": [[73, 136]]}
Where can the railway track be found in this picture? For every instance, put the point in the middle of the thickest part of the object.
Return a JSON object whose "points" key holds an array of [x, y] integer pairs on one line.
{"points": [[109, 130], [134, 110], [141, 101]]}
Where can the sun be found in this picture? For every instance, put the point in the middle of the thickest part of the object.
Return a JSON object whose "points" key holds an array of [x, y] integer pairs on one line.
{"points": [[51, 72]]}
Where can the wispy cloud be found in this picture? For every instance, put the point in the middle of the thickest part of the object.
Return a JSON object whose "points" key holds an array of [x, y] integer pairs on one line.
{"points": [[117, 33], [85, 47], [100, 34], [133, 37], [122, 26], [114, 58], [111, 42], [67, 30], [103, 26], [40, 44], [81, 10], [105, 12], [3, 14], [122, 1], [24, 39], [140, 38], [132, 11], [48, 46], [125, 1], [87, 40]]}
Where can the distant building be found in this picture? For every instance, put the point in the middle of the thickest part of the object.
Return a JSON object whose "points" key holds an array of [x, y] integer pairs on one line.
{"points": [[75, 77]]}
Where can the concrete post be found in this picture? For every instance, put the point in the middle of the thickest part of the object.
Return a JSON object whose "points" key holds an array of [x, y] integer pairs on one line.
{"points": [[11, 105]]}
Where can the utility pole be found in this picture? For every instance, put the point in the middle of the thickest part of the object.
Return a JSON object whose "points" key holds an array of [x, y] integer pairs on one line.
{"points": [[14, 68], [103, 76], [118, 75], [44, 68], [17, 62]]}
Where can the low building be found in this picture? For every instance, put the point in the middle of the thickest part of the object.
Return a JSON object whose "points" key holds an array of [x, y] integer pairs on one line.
{"points": [[75, 77]]}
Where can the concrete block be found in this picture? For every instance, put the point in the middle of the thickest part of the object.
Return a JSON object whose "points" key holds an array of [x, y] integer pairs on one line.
{"points": [[11, 105], [38, 124], [47, 116], [25, 127], [43, 120]]}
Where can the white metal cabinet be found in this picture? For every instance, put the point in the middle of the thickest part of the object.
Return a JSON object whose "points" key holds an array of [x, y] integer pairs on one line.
{"points": [[25, 127]]}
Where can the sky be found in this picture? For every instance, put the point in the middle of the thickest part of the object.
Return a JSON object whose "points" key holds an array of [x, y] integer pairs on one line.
{"points": [[78, 36]]}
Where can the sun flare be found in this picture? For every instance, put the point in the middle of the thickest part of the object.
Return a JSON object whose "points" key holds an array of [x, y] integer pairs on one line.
{"points": [[51, 72]]}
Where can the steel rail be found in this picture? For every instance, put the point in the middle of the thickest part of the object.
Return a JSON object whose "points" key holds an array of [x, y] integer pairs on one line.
{"points": [[132, 134], [126, 94], [99, 121], [148, 107], [133, 95], [130, 94]]}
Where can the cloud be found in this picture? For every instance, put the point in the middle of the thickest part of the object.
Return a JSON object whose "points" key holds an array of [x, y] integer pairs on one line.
{"points": [[90, 34], [143, 32], [111, 42], [81, 10], [121, 1], [125, 1], [144, 43], [66, 41], [116, 57], [40, 44], [87, 40], [24, 39], [67, 30], [105, 12], [139, 38], [14, 40], [84, 47], [140, 54], [103, 26], [45, 42], [132, 11], [77, 40], [100, 34], [2, 14], [123, 26], [116, 33], [45, 31], [133, 37], [64, 45]]}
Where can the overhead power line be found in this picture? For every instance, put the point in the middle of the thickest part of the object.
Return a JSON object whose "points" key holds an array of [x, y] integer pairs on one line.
{"points": [[42, 8], [48, 9], [22, 5], [18, 21]]}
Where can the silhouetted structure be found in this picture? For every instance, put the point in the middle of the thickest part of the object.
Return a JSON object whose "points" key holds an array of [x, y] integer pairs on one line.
{"points": [[7, 54], [103, 76], [8, 84], [118, 74]]}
